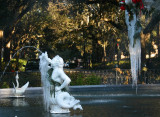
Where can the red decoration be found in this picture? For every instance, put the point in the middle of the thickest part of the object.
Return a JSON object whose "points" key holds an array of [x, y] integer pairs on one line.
{"points": [[135, 1], [122, 7], [122, 2], [141, 4]]}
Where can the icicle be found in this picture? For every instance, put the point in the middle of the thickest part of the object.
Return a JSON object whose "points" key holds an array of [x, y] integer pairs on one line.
{"points": [[44, 79], [134, 46]]}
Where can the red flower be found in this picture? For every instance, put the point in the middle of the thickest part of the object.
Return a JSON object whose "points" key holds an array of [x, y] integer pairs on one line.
{"points": [[117, 44], [122, 7]]}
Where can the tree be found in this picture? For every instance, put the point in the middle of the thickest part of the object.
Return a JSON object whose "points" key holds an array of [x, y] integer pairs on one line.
{"points": [[10, 14]]}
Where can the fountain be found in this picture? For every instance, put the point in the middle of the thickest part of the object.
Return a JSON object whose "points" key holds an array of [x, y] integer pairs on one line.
{"points": [[97, 100], [55, 80], [59, 101]]}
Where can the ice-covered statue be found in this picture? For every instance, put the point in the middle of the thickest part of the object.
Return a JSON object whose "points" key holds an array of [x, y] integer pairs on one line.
{"points": [[55, 83]]}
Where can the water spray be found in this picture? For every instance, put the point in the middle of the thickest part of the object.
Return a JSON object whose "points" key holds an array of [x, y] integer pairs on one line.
{"points": [[15, 54]]}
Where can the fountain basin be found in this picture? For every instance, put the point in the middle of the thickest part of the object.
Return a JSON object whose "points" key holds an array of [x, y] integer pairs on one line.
{"points": [[96, 100], [92, 89]]}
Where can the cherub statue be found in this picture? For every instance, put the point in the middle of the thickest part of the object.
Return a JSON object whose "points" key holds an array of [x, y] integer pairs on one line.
{"points": [[55, 80]]}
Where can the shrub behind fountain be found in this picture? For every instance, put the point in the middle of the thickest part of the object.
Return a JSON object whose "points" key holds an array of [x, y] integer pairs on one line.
{"points": [[54, 82]]}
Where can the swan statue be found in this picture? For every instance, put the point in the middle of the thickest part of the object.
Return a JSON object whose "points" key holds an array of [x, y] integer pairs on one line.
{"points": [[56, 81], [19, 91]]}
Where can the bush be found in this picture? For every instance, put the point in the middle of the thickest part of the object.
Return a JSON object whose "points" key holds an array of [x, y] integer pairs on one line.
{"points": [[82, 79], [34, 79], [76, 78], [8, 79], [12, 65], [92, 80], [5, 85]]}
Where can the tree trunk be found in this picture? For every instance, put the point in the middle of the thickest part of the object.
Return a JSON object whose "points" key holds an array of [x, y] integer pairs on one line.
{"points": [[10, 27], [1, 45], [155, 19], [143, 48], [94, 55], [84, 55], [158, 39], [7, 51], [104, 53]]}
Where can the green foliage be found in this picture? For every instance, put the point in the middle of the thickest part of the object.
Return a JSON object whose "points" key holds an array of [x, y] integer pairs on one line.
{"points": [[92, 80], [76, 78], [154, 33], [5, 85], [70, 30], [58, 27], [21, 63], [82, 79], [52, 82], [34, 79], [13, 64], [123, 64]]}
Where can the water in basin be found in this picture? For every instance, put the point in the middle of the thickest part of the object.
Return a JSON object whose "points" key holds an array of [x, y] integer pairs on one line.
{"points": [[95, 104]]}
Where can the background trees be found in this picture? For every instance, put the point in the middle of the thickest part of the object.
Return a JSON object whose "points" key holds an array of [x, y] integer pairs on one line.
{"points": [[93, 31]]}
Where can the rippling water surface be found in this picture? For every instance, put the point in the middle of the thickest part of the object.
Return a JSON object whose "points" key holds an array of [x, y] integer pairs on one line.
{"points": [[115, 105]]}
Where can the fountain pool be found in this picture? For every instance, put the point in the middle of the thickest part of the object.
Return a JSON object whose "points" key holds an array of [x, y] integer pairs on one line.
{"points": [[97, 101]]}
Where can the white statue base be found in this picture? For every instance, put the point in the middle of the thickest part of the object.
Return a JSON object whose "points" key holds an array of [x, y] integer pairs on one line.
{"points": [[62, 102], [57, 109], [16, 96]]}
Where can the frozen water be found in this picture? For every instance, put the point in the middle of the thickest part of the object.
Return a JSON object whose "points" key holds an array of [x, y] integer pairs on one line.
{"points": [[134, 45]]}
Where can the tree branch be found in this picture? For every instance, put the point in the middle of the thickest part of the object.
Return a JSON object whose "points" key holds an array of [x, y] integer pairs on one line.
{"points": [[9, 28], [155, 19]]}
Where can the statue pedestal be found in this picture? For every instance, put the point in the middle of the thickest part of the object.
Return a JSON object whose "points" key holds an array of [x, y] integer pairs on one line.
{"points": [[17, 96], [57, 109]]}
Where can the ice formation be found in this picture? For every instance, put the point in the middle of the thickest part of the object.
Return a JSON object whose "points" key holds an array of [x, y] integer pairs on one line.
{"points": [[134, 30]]}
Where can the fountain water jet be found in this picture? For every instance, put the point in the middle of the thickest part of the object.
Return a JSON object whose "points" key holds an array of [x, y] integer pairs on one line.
{"points": [[15, 54]]}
